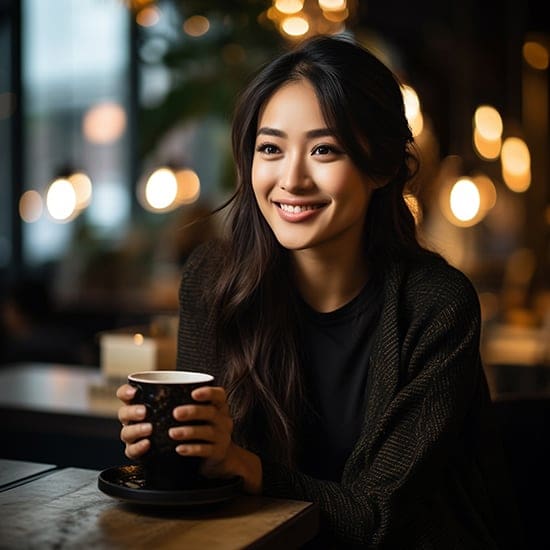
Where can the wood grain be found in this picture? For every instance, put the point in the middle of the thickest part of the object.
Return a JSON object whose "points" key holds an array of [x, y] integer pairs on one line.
{"points": [[65, 509]]}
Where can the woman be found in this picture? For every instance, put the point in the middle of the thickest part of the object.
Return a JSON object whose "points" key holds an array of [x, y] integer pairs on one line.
{"points": [[347, 354]]}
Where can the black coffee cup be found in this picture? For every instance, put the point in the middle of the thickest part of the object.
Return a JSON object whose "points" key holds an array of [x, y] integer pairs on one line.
{"points": [[161, 392]]}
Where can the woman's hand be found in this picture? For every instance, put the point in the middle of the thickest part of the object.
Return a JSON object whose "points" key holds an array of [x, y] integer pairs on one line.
{"points": [[214, 432], [222, 457], [134, 435]]}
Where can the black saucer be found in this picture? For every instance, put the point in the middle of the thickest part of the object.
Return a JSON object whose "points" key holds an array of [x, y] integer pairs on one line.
{"points": [[128, 483]]}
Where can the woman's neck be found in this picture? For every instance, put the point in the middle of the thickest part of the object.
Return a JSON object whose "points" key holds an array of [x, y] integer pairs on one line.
{"points": [[327, 281]]}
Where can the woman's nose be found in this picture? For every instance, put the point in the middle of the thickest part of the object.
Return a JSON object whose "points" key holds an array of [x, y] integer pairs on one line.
{"points": [[295, 177]]}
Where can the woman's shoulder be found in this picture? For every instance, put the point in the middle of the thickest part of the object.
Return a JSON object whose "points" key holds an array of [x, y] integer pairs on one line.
{"points": [[202, 266], [434, 280], [205, 256]]}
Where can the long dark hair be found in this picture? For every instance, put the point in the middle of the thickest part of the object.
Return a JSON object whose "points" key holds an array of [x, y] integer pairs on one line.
{"points": [[362, 103]]}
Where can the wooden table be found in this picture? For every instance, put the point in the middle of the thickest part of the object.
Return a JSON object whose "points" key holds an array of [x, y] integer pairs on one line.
{"points": [[13, 472], [64, 509], [50, 413]]}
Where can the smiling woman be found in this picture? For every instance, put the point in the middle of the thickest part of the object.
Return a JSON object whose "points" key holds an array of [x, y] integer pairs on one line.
{"points": [[346, 354]]}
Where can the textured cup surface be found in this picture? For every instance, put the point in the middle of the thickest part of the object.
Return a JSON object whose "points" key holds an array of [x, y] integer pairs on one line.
{"points": [[161, 392]]}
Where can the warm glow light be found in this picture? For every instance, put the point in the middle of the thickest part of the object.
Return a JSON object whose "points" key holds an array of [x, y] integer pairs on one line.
{"points": [[488, 122], [417, 124], [295, 26], [148, 17], [336, 16], [464, 200], [61, 200], [104, 123], [332, 5], [412, 109], [516, 164], [536, 54], [487, 192], [161, 189], [83, 189], [486, 148], [138, 339], [196, 25], [189, 186], [30, 206], [289, 6], [515, 155], [414, 207], [517, 182], [272, 13]]}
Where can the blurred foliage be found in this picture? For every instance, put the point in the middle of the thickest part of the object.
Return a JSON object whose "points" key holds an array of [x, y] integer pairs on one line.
{"points": [[206, 72]]}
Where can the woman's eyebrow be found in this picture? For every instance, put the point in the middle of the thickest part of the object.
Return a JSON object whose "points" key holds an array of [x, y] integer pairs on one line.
{"points": [[266, 131], [318, 132]]}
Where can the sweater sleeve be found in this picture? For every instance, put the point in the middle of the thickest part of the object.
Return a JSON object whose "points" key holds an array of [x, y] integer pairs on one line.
{"points": [[196, 339], [406, 446]]}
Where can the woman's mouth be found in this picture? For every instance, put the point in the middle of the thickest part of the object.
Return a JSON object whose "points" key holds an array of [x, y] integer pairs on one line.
{"points": [[298, 212], [296, 209]]}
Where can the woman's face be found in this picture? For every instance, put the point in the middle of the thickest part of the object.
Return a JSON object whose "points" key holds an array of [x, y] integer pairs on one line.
{"points": [[307, 188]]}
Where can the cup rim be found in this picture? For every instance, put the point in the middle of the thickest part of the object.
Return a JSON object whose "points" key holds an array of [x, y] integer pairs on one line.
{"points": [[187, 377]]}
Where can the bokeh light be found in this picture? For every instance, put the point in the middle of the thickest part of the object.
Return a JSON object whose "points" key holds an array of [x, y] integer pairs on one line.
{"points": [[536, 55], [61, 200], [289, 6], [488, 122], [148, 16], [83, 189], [412, 109], [189, 186], [516, 164], [31, 206], [295, 26], [161, 189], [104, 123], [464, 200], [332, 5], [196, 25]]}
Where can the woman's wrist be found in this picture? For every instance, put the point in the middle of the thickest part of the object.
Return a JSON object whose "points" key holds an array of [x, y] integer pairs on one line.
{"points": [[249, 466]]}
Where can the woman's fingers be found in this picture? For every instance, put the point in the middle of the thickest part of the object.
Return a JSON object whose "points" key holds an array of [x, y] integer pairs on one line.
{"points": [[130, 434], [134, 431], [126, 393], [136, 450], [215, 402], [131, 413], [211, 438], [214, 394]]}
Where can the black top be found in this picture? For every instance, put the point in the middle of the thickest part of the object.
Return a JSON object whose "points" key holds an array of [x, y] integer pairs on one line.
{"points": [[336, 351]]}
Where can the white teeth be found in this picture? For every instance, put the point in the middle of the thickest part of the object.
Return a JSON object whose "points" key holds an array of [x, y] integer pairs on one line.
{"points": [[295, 209]]}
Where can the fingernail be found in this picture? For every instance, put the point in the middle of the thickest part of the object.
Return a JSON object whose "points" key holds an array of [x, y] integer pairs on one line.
{"points": [[140, 410], [146, 428]]}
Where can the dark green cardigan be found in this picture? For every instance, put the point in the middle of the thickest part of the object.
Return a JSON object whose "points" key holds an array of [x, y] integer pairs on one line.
{"points": [[426, 471]]}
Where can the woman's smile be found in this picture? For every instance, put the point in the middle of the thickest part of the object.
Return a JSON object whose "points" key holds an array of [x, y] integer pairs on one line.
{"points": [[294, 212]]}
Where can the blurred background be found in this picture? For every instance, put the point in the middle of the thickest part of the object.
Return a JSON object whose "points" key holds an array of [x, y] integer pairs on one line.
{"points": [[114, 134]]}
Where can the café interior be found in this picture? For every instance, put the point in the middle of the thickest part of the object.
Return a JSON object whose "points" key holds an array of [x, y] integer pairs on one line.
{"points": [[114, 136]]}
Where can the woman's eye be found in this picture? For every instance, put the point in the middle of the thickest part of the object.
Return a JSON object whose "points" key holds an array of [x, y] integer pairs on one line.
{"points": [[325, 150], [268, 149]]}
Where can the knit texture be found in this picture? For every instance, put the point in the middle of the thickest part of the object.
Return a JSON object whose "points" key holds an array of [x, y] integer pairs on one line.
{"points": [[426, 471]]}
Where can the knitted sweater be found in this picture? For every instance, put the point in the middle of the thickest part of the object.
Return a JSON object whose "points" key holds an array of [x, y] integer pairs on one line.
{"points": [[425, 472]]}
